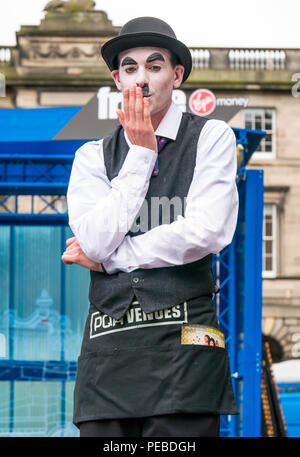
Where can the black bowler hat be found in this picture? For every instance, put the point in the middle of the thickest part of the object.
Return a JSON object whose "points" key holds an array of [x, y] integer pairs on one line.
{"points": [[146, 31]]}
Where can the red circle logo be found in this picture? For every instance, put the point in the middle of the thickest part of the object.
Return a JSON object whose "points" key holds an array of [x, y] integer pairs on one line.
{"points": [[202, 102]]}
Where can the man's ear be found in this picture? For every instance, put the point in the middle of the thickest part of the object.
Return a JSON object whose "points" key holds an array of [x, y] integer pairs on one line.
{"points": [[116, 77], [178, 76]]}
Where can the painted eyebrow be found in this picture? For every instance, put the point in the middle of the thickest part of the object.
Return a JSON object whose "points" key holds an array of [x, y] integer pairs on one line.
{"points": [[155, 56], [128, 61]]}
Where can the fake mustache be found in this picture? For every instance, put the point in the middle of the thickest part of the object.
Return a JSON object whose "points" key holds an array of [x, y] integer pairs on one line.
{"points": [[145, 90]]}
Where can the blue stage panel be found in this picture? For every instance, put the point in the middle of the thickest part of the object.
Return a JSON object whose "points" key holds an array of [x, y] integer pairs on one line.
{"points": [[34, 124]]}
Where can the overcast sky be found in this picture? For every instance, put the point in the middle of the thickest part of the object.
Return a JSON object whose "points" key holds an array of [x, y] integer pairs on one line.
{"points": [[224, 23]]}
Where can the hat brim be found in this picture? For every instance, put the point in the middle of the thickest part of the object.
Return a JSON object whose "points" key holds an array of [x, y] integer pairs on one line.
{"points": [[113, 47]]}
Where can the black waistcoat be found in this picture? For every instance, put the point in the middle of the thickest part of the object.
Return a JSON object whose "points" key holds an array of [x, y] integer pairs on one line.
{"points": [[156, 288]]}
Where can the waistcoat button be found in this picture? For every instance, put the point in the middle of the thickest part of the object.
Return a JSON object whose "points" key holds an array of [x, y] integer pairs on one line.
{"points": [[135, 280]]}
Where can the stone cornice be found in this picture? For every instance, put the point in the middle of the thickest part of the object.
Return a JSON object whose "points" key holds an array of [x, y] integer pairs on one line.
{"points": [[36, 32], [209, 79]]}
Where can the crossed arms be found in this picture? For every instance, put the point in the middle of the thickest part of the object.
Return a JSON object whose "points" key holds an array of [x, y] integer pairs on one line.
{"points": [[101, 212]]}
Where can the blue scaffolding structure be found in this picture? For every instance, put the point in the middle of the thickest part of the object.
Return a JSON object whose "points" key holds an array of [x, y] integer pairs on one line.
{"points": [[42, 168]]}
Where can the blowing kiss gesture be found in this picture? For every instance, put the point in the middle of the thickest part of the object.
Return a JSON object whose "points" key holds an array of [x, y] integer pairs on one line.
{"points": [[136, 119]]}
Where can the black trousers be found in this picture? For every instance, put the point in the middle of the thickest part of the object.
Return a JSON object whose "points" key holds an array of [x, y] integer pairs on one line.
{"points": [[167, 425]]}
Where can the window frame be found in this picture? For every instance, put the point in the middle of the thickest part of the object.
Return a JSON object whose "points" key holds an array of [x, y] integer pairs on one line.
{"points": [[271, 273], [264, 155]]}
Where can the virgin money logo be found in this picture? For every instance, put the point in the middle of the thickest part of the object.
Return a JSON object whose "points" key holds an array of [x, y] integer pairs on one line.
{"points": [[202, 102]]}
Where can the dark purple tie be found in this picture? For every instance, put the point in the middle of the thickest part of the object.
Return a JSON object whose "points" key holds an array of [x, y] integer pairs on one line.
{"points": [[161, 141]]}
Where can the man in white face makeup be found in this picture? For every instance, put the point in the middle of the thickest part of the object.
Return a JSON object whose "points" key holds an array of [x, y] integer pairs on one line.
{"points": [[149, 205]]}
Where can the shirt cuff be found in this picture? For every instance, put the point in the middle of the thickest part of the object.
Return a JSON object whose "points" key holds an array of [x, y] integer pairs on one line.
{"points": [[104, 269]]}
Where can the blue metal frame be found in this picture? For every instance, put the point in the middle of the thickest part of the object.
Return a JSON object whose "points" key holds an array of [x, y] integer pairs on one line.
{"points": [[238, 270], [250, 356], [43, 168]]}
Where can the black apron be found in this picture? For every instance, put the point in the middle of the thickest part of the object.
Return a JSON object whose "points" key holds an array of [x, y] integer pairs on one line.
{"points": [[148, 364]]}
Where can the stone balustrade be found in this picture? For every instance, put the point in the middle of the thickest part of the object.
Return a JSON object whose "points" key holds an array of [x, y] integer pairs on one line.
{"points": [[6, 54]]}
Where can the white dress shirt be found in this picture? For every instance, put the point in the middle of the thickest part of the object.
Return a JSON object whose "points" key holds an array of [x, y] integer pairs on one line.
{"points": [[101, 211]]}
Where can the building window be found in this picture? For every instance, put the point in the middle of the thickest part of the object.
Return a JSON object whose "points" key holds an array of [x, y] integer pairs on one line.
{"points": [[269, 240], [262, 119]]}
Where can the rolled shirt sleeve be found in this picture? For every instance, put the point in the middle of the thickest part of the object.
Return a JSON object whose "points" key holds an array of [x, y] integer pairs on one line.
{"points": [[210, 215], [102, 211]]}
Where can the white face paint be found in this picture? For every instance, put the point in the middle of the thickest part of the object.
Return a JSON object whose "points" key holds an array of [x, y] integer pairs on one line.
{"points": [[150, 67]]}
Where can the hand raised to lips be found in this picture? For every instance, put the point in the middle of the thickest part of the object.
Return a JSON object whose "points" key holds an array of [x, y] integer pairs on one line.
{"points": [[136, 119]]}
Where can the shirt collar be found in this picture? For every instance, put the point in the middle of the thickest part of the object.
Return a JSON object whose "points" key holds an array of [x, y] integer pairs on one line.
{"points": [[169, 125]]}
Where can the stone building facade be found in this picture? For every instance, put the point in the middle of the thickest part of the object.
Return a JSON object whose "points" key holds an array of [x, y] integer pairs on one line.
{"points": [[58, 63]]}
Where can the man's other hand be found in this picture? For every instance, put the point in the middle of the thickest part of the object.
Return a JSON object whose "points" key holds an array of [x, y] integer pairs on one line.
{"points": [[74, 254]]}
